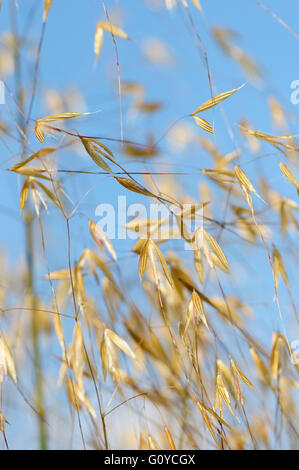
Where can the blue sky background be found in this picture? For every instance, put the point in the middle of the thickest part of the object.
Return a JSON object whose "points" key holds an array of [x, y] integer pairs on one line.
{"points": [[67, 61]]}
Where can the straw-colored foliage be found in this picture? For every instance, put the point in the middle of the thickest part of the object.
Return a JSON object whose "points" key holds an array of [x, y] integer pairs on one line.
{"points": [[151, 343]]}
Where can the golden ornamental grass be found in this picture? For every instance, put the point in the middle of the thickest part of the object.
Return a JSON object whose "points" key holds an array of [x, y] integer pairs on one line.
{"points": [[176, 339]]}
